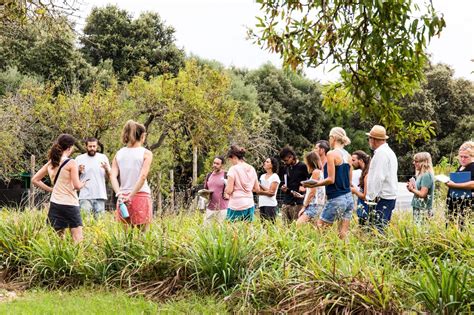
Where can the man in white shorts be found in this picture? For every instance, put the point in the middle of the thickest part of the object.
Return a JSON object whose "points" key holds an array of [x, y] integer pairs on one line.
{"points": [[94, 167]]}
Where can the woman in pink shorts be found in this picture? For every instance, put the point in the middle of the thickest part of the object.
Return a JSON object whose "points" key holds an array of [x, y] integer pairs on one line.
{"points": [[131, 164]]}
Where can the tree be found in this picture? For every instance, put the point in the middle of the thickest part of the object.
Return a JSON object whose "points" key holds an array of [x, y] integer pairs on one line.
{"points": [[190, 111], [448, 103], [379, 46], [22, 12], [48, 51], [142, 46], [293, 104]]}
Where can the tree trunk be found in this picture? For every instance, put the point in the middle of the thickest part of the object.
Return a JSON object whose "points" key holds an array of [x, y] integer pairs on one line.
{"points": [[172, 190], [195, 165]]}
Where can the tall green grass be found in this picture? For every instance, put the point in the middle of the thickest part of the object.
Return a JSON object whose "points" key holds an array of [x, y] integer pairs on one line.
{"points": [[253, 267]]}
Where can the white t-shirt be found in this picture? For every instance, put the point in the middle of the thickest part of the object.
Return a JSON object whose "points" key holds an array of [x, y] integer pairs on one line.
{"points": [[356, 177], [95, 187], [266, 201]]}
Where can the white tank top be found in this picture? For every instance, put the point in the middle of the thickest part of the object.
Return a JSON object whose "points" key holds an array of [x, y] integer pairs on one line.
{"points": [[130, 162]]}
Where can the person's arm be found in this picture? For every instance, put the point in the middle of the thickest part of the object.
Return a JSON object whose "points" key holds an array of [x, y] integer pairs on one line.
{"points": [[357, 192], [271, 191], [114, 173], [312, 191], [147, 159], [465, 185], [331, 167], [376, 176], [229, 189], [256, 184], [37, 178], [106, 166], [76, 183]]}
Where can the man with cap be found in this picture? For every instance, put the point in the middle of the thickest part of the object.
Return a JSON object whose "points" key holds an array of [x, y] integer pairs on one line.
{"points": [[382, 181]]}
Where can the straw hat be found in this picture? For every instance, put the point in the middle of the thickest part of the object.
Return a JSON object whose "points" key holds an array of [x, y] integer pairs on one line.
{"points": [[377, 132]]}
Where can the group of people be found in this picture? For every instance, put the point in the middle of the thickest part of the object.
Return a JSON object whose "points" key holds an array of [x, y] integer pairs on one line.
{"points": [[322, 188], [88, 173]]}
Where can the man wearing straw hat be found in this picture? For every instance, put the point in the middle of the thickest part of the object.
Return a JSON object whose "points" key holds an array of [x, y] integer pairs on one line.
{"points": [[382, 181]]}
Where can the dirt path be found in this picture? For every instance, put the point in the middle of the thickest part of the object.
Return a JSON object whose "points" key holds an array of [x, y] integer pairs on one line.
{"points": [[7, 291]]}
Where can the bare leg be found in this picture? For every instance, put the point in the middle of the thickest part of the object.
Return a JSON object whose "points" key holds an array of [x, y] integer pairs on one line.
{"points": [[60, 233], [77, 234], [343, 227], [322, 224], [302, 219]]}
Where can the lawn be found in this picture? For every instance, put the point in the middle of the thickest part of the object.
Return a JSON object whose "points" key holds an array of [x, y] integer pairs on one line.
{"points": [[100, 301]]}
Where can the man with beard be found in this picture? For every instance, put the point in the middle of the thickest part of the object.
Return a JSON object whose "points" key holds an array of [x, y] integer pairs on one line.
{"points": [[93, 168], [215, 181]]}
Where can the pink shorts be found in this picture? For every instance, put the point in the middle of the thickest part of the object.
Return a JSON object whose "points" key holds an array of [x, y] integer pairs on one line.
{"points": [[140, 209]]}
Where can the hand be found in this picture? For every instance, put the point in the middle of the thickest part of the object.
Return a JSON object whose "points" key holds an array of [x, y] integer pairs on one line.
{"points": [[449, 183], [353, 189], [409, 187], [82, 168], [284, 188], [105, 167], [84, 183], [297, 195], [301, 189], [125, 199], [311, 185]]}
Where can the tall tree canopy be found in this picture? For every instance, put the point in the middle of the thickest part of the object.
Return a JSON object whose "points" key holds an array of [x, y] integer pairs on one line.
{"points": [[142, 46], [293, 104], [379, 46]]}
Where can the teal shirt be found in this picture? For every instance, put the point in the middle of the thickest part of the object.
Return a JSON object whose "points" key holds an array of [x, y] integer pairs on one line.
{"points": [[425, 180]]}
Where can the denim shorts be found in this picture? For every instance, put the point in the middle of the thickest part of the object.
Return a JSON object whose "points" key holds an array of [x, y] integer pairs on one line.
{"points": [[338, 208], [313, 211]]}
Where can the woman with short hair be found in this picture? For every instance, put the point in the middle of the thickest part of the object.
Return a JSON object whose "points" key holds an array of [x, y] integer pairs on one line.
{"points": [[63, 171], [132, 164], [460, 207]]}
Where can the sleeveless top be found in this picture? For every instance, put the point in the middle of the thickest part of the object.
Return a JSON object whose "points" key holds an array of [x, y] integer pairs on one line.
{"points": [[130, 162], [63, 191], [341, 184], [320, 196]]}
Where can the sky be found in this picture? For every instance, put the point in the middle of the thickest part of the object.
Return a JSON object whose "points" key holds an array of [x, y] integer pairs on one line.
{"points": [[216, 29]]}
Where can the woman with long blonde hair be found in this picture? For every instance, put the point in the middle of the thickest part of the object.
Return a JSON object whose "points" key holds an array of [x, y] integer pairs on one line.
{"points": [[422, 188], [337, 179]]}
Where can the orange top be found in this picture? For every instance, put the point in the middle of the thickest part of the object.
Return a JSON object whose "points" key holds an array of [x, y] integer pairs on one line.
{"points": [[63, 191]]}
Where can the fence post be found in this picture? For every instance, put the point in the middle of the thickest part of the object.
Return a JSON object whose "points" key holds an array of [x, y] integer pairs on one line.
{"points": [[160, 200], [31, 199], [172, 190], [195, 160]]}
